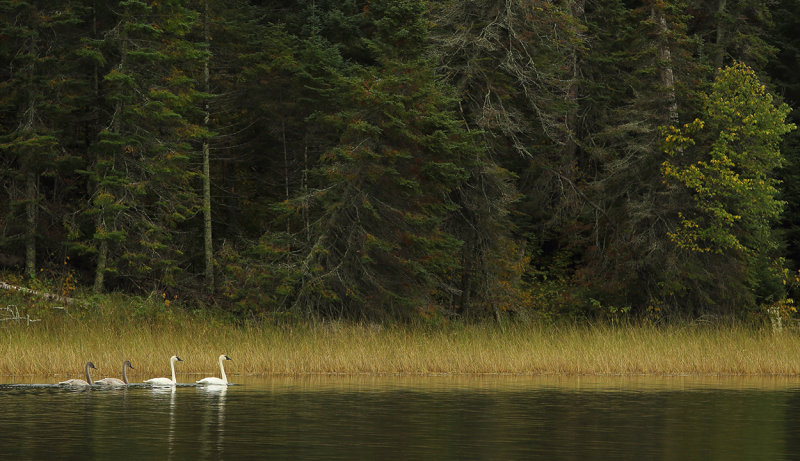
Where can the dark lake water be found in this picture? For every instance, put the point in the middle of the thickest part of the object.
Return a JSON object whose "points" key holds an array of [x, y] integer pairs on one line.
{"points": [[387, 418]]}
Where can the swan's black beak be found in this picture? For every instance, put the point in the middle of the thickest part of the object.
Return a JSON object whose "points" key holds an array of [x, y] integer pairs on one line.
{"points": [[91, 365], [179, 359], [228, 358]]}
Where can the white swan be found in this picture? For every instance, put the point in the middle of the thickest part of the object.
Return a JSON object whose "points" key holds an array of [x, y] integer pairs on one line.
{"points": [[166, 381], [115, 381], [80, 382], [216, 381]]}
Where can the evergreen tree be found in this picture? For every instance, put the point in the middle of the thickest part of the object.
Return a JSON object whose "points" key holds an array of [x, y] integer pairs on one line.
{"points": [[143, 191], [734, 30], [381, 244], [640, 74], [270, 84], [783, 71], [35, 98], [516, 67]]}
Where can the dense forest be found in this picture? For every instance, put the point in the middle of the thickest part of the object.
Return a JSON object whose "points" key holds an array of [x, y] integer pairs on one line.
{"points": [[404, 159]]}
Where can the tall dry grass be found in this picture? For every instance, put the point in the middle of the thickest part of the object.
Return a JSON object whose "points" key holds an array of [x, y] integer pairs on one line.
{"points": [[61, 346]]}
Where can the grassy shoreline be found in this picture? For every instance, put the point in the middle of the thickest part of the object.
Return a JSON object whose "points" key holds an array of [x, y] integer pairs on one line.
{"points": [[60, 346]]}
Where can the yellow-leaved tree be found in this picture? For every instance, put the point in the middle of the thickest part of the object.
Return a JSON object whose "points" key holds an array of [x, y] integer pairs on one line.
{"points": [[723, 163]]}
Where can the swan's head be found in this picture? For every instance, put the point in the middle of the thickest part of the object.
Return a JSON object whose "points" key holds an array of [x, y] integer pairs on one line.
{"points": [[128, 364], [224, 357], [91, 365], [175, 358]]}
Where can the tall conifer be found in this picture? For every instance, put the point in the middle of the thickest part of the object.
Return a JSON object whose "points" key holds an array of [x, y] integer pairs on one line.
{"points": [[142, 172], [34, 99]]}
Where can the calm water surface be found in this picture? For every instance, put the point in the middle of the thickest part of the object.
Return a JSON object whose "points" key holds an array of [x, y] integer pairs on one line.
{"points": [[386, 418]]}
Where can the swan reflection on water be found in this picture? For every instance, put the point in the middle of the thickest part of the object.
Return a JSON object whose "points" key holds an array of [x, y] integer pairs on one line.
{"points": [[215, 396], [185, 421], [160, 393]]}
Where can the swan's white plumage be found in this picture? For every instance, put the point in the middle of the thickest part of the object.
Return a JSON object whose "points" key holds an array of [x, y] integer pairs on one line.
{"points": [[166, 381], [160, 382], [214, 381]]}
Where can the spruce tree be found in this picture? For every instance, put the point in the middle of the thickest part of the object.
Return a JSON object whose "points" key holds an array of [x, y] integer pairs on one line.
{"points": [[381, 243], [35, 99], [639, 75], [783, 71], [733, 30], [516, 67], [142, 175]]}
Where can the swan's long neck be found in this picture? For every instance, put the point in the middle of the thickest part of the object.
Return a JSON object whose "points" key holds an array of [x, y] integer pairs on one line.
{"points": [[88, 377], [172, 364], [222, 370], [124, 374]]}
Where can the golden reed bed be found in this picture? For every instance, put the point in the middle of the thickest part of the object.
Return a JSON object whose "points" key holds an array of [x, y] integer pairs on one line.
{"points": [[61, 347]]}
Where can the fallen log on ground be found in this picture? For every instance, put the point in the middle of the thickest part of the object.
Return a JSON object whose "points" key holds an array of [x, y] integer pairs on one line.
{"points": [[40, 294]]}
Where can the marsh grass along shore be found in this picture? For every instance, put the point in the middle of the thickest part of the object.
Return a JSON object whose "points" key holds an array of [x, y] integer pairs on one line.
{"points": [[59, 345]]}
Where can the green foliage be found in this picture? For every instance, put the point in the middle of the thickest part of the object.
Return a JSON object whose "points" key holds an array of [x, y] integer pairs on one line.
{"points": [[379, 243], [725, 160], [142, 178], [783, 71], [406, 159], [734, 30], [257, 280], [38, 83]]}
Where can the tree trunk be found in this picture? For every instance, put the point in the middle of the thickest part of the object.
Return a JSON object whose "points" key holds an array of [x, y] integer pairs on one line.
{"points": [[102, 262], [571, 147], [304, 187], [720, 39], [208, 236], [101, 225], [285, 171], [665, 64], [467, 267], [31, 192], [207, 227], [102, 250]]}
